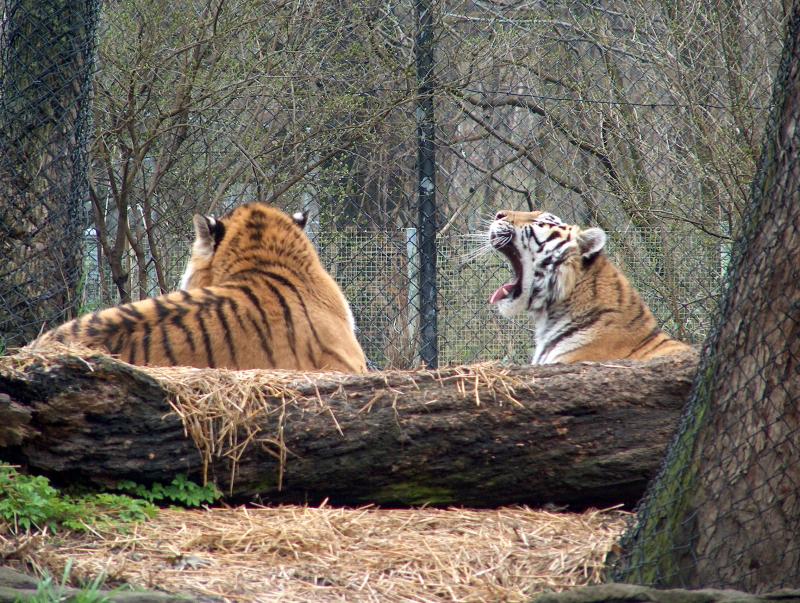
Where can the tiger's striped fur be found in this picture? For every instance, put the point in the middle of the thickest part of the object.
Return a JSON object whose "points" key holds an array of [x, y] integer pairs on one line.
{"points": [[254, 295], [583, 308]]}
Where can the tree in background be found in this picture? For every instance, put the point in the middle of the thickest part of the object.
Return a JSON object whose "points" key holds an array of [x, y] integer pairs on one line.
{"points": [[47, 53], [725, 510], [633, 116], [204, 105], [639, 117]]}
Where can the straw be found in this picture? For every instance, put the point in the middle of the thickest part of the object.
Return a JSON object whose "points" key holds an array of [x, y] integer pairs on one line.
{"points": [[301, 554]]}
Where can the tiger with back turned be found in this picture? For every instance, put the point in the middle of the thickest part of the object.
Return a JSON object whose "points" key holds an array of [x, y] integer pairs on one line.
{"points": [[582, 306], [254, 295]]}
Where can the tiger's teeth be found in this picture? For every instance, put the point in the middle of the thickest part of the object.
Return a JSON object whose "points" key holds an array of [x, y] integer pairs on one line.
{"points": [[501, 293]]}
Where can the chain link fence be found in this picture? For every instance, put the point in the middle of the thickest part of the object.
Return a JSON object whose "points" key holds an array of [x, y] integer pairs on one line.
{"points": [[724, 511], [633, 116], [403, 127], [46, 66]]}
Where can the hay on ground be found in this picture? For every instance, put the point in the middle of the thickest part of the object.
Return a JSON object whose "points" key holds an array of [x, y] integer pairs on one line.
{"points": [[302, 554]]}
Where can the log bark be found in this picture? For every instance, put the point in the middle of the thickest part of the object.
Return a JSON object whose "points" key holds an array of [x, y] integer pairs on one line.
{"points": [[484, 436]]}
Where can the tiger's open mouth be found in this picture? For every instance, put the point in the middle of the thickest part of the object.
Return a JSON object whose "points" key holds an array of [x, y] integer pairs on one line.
{"points": [[513, 289]]}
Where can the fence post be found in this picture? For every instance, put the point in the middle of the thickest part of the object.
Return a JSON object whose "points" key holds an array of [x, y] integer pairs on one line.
{"points": [[412, 255], [426, 162]]}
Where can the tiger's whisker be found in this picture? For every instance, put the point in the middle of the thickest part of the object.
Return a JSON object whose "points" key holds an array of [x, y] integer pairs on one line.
{"points": [[475, 253]]}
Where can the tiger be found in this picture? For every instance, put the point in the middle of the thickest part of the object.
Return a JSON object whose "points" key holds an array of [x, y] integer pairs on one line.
{"points": [[254, 295], [581, 305]]}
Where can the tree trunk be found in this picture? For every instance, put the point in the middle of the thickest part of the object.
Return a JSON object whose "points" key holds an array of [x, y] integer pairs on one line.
{"points": [[46, 63], [725, 512], [486, 435]]}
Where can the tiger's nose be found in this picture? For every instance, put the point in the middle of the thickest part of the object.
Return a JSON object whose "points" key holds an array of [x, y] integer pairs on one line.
{"points": [[501, 215]]}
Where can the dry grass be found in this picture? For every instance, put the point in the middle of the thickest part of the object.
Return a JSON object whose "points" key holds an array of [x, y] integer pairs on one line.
{"points": [[300, 554], [225, 411]]}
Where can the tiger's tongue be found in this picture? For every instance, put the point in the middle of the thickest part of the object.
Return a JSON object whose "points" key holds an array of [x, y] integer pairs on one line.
{"points": [[501, 293]]}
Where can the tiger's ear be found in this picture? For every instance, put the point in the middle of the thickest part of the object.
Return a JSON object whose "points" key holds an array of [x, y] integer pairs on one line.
{"points": [[208, 232], [591, 242], [300, 218]]}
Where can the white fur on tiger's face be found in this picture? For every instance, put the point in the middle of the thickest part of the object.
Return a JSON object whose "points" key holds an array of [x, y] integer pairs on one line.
{"points": [[582, 306]]}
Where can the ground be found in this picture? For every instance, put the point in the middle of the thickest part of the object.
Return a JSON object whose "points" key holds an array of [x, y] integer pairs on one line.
{"points": [[301, 554]]}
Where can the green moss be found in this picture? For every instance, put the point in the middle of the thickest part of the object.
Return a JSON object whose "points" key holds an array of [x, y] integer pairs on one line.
{"points": [[269, 483], [658, 545], [409, 493]]}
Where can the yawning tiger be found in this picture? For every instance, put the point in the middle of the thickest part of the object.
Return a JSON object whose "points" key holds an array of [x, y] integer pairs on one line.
{"points": [[582, 306]]}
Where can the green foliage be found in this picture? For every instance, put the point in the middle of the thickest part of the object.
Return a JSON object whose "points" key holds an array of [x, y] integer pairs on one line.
{"points": [[180, 490], [30, 502], [50, 591]]}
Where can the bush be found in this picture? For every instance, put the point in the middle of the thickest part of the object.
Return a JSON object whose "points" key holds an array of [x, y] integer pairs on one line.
{"points": [[181, 491], [30, 502]]}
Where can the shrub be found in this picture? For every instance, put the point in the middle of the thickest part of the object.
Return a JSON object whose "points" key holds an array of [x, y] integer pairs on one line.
{"points": [[30, 502]]}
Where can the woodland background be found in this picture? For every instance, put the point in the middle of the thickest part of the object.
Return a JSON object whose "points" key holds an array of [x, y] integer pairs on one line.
{"points": [[402, 127], [645, 118]]}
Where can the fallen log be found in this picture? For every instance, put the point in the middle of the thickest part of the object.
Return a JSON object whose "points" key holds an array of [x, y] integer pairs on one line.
{"points": [[483, 435]]}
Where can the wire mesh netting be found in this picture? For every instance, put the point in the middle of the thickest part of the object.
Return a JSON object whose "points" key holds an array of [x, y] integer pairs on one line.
{"points": [[725, 509], [46, 66], [637, 117], [402, 127]]}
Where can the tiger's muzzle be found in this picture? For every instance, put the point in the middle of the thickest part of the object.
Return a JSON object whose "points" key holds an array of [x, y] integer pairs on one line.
{"points": [[501, 237]]}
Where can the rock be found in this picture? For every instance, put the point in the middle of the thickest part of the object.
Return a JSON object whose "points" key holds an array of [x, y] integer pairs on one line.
{"points": [[633, 593], [16, 587]]}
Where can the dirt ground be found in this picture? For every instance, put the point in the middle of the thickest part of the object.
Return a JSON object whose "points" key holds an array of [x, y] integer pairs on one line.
{"points": [[304, 554]]}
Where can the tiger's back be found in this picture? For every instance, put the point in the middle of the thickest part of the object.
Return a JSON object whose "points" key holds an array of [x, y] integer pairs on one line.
{"points": [[255, 295], [582, 305]]}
